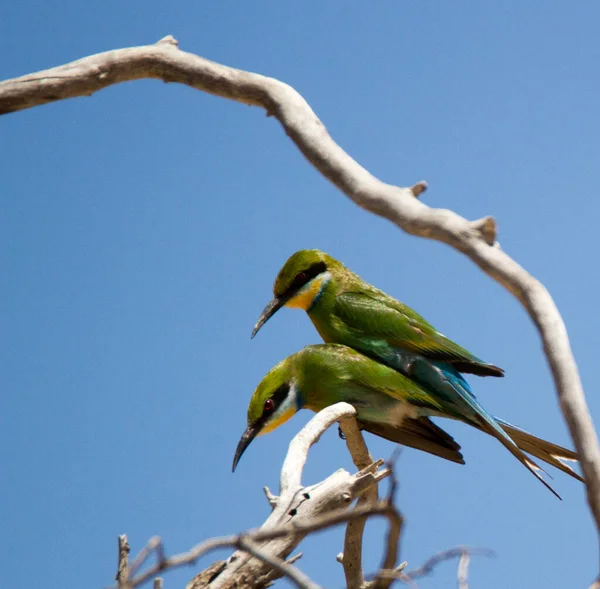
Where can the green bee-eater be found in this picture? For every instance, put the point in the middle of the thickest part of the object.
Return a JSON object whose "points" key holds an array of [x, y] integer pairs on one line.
{"points": [[388, 404], [347, 310]]}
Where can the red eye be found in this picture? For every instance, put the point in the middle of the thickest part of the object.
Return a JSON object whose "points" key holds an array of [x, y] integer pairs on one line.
{"points": [[269, 405]]}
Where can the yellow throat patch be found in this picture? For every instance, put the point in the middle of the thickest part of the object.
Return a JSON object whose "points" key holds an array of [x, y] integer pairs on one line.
{"points": [[275, 423], [304, 299]]}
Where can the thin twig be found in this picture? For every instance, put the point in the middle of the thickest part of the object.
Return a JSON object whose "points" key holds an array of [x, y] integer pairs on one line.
{"points": [[427, 567], [151, 546]]}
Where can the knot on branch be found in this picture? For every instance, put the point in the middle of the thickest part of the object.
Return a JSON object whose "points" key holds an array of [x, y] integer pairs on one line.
{"points": [[272, 499], [418, 188], [487, 229], [168, 40]]}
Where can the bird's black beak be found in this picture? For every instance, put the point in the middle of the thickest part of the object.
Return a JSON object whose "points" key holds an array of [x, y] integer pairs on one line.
{"points": [[247, 437], [269, 311]]}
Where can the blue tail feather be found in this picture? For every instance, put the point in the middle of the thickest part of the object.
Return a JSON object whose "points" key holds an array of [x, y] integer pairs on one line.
{"points": [[454, 391]]}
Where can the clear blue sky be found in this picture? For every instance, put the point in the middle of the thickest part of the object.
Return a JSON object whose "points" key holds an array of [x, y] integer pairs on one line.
{"points": [[141, 230]]}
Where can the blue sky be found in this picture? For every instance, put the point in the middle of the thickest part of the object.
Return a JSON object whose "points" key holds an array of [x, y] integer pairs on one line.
{"points": [[141, 230]]}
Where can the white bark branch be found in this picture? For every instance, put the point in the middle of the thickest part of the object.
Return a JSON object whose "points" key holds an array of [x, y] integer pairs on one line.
{"points": [[476, 239], [123, 572], [462, 573], [351, 558]]}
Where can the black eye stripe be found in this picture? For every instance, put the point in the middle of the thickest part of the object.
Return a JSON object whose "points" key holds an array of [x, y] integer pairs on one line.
{"points": [[278, 397], [306, 276]]}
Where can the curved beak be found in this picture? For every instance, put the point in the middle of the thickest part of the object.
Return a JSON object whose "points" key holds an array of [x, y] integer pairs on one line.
{"points": [[247, 437], [268, 312]]}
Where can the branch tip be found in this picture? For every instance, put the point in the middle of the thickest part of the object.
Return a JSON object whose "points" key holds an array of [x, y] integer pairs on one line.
{"points": [[168, 40], [487, 229], [272, 499], [122, 576], [419, 188]]}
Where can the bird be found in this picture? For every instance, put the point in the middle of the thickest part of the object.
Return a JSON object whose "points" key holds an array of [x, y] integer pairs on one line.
{"points": [[388, 404], [347, 310]]}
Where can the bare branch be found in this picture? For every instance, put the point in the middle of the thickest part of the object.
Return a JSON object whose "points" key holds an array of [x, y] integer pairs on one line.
{"points": [[293, 465], [301, 580], [205, 578], [462, 574], [351, 558], [122, 576], [272, 499], [427, 567], [418, 188], [393, 536], [152, 545], [158, 583]]}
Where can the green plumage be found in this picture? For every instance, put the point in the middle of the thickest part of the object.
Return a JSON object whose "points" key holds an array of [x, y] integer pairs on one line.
{"points": [[388, 404], [349, 310]]}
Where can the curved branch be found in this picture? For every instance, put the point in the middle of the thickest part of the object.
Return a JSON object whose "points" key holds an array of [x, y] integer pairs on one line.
{"points": [[476, 239]]}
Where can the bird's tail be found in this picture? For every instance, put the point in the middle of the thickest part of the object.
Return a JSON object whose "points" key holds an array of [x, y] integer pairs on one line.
{"points": [[454, 391], [542, 449]]}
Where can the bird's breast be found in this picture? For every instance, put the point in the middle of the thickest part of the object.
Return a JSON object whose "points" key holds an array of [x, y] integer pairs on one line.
{"points": [[386, 411], [402, 411]]}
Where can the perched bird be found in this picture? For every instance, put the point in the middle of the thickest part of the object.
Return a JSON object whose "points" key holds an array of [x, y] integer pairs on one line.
{"points": [[388, 404], [347, 310]]}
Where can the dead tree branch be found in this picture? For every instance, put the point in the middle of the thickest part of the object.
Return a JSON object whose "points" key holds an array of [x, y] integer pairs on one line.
{"points": [[351, 558], [462, 552], [123, 571]]}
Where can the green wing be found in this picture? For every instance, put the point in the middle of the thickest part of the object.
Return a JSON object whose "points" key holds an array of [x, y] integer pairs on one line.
{"points": [[367, 384], [341, 373], [376, 314]]}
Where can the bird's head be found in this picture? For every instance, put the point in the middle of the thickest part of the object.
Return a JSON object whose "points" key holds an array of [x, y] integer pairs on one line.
{"points": [[299, 283], [274, 401]]}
